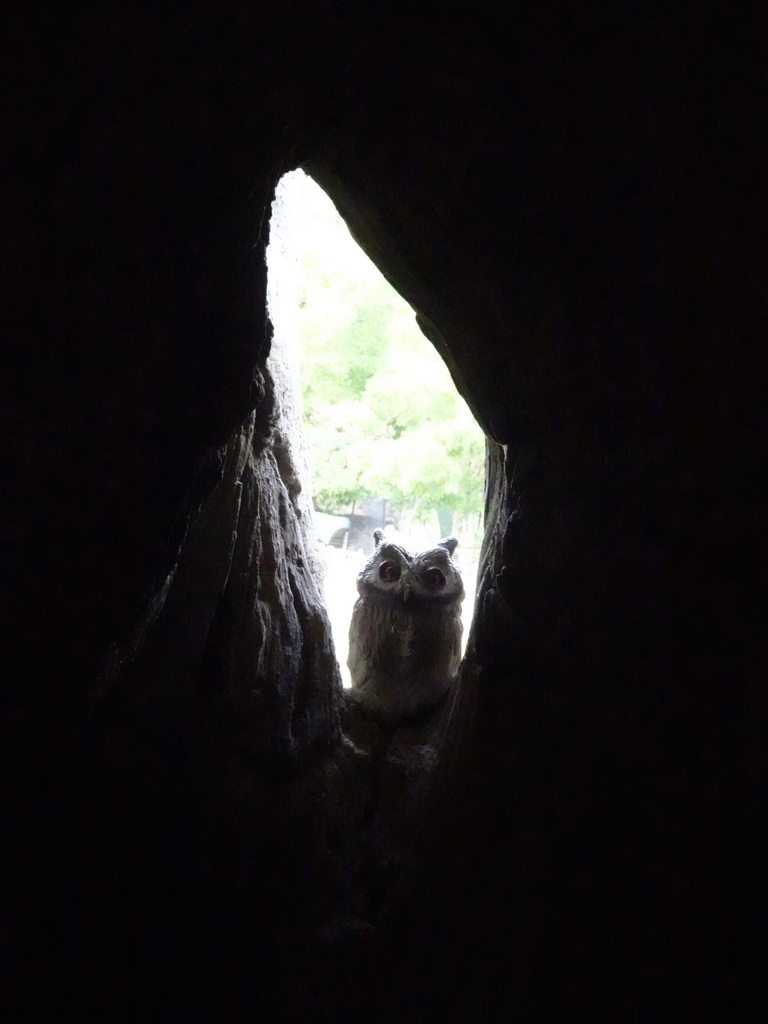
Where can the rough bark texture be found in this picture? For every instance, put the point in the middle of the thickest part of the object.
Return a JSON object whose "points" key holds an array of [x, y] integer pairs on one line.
{"points": [[195, 826]]}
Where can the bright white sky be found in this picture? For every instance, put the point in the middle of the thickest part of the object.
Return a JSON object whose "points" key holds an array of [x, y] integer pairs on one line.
{"points": [[323, 230]]}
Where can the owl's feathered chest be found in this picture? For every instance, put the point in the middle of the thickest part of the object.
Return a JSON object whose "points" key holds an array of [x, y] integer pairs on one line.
{"points": [[403, 636]]}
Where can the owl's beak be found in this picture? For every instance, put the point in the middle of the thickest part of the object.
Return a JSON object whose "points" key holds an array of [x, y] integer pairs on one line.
{"points": [[406, 592]]}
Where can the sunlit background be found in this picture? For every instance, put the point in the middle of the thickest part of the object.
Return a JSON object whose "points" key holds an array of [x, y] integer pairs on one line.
{"points": [[391, 444]]}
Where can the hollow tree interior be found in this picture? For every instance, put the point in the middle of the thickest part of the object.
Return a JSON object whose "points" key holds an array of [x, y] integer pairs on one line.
{"points": [[195, 826]]}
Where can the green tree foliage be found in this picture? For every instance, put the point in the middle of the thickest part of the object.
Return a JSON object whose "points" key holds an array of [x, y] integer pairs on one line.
{"points": [[383, 416]]}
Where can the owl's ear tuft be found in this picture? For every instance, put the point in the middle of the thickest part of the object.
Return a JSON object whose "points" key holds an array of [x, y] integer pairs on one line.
{"points": [[449, 543], [378, 536]]}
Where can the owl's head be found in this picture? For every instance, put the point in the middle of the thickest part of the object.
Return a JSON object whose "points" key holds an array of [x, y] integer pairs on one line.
{"points": [[393, 574]]}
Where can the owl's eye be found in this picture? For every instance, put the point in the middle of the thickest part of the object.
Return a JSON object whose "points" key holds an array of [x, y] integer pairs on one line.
{"points": [[389, 571], [434, 579]]}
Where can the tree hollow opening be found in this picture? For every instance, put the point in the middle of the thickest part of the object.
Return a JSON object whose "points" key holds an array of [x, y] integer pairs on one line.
{"points": [[380, 436]]}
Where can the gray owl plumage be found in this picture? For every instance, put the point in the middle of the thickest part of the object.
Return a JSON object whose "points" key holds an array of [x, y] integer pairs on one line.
{"points": [[405, 633]]}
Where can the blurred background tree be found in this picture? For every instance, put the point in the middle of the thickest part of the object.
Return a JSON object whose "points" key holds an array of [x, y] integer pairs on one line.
{"points": [[383, 417]]}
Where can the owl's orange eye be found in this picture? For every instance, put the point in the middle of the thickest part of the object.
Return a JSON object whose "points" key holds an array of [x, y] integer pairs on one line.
{"points": [[434, 579], [389, 571]]}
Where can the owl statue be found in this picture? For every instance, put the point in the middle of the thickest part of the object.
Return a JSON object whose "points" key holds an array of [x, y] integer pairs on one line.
{"points": [[405, 633]]}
